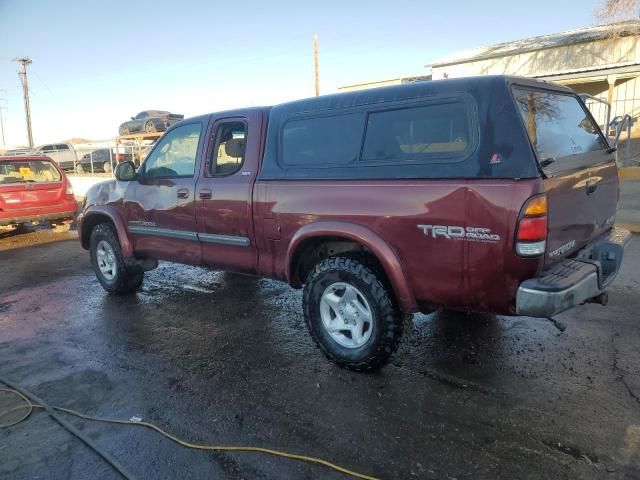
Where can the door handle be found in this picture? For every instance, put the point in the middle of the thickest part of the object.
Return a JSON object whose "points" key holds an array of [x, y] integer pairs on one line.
{"points": [[183, 193], [205, 194], [592, 185]]}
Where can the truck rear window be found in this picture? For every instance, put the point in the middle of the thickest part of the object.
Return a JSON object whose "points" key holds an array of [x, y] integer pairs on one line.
{"points": [[558, 126], [27, 171]]}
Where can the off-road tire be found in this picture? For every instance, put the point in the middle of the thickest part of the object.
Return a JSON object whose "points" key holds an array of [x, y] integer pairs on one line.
{"points": [[128, 277], [388, 321]]}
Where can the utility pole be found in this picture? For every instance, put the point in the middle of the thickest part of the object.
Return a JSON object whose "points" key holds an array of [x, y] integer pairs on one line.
{"points": [[3, 104], [2, 124], [315, 59], [25, 94]]}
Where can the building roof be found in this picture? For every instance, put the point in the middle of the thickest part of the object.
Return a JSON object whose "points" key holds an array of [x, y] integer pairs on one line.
{"points": [[389, 81], [580, 35]]}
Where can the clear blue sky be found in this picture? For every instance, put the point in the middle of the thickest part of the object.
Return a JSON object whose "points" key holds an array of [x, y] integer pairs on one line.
{"points": [[95, 64]]}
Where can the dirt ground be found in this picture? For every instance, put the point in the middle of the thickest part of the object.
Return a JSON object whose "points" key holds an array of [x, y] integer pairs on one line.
{"points": [[225, 359]]}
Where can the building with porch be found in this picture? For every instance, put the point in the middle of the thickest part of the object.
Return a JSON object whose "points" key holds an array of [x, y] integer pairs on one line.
{"points": [[603, 61]]}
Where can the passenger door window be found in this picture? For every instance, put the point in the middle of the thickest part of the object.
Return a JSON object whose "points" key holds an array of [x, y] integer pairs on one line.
{"points": [[229, 148], [175, 154]]}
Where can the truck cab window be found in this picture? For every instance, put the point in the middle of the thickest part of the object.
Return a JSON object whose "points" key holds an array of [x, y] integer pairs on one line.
{"points": [[175, 154], [228, 151]]}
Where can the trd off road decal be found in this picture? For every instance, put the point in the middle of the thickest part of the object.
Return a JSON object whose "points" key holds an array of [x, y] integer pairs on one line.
{"points": [[473, 234]]}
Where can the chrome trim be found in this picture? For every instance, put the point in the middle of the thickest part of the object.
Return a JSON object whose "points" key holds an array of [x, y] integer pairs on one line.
{"points": [[163, 232], [224, 239], [185, 235]]}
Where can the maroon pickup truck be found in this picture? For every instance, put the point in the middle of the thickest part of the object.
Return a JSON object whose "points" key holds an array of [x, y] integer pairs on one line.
{"points": [[490, 194]]}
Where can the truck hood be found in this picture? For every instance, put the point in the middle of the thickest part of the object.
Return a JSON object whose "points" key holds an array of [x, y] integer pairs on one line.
{"points": [[106, 192]]}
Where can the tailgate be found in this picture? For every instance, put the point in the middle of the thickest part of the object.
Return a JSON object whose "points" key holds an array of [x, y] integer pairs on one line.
{"points": [[582, 205], [581, 175]]}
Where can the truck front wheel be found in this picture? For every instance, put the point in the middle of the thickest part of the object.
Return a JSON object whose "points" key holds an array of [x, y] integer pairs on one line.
{"points": [[108, 263], [350, 314]]}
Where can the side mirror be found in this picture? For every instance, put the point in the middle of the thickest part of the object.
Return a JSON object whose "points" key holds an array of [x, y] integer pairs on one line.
{"points": [[133, 118], [125, 171]]}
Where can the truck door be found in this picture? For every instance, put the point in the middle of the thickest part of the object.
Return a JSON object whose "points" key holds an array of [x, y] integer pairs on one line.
{"points": [[159, 207], [224, 206]]}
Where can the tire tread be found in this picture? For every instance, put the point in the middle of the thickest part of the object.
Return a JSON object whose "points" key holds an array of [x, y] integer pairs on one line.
{"points": [[129, 278], [392, 320]]}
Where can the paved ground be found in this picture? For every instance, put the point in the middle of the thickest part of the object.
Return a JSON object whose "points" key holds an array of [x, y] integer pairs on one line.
{"points": [[221, 358]]}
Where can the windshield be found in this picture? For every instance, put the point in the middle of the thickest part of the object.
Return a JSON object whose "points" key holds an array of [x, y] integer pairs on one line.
{"points": [[28, 171], [559, 127]]}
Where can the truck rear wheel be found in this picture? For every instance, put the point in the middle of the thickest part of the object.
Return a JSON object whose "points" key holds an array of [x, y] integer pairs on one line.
{"points": [[350, 314], [109, 265]]}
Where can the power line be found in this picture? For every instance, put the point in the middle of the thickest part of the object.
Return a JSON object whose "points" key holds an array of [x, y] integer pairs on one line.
{"points": [[45, 86]]}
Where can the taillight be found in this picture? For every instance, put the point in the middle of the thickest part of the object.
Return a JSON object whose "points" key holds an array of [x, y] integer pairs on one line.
{"points": [[69, 188], [531, 231]]}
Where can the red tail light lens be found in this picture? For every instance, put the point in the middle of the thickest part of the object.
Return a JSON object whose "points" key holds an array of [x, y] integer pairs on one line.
{"points": [[531, 231]]}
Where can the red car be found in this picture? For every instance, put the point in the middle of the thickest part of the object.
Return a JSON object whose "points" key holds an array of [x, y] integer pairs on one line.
{"points": [[34, 189]]}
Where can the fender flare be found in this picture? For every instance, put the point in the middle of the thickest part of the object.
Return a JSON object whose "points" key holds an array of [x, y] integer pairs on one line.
{"points": [[385, 254], [86, 220]]}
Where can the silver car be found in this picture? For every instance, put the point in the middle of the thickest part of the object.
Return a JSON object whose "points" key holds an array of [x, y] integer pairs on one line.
{"points": [[61, 153]]}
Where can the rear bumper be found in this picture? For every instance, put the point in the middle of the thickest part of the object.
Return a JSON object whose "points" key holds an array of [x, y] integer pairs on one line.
{"points": [[574, 281], [58, 216]]}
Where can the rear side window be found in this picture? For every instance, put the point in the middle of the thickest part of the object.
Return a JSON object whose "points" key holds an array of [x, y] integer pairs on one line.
{"points": [[418, 134], [319, 141], [62, 146], [558, 126], [228, 152], [28, 171]]}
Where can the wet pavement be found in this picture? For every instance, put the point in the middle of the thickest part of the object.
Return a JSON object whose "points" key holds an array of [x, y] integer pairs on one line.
{"points": [[225, 359]]}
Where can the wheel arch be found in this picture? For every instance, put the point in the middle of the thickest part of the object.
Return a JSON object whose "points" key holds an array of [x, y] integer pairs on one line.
{"points": [[97, 214], [313, 235]]}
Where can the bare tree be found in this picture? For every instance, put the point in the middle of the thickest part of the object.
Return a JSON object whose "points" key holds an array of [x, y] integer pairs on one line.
{"points": [[613, 11]]}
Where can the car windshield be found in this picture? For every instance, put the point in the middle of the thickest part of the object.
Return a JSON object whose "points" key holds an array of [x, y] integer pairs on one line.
{"points": [[28, 171]]}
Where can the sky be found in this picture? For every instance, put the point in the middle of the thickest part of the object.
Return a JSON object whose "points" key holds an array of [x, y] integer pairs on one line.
{"points": [[97, 63]]}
